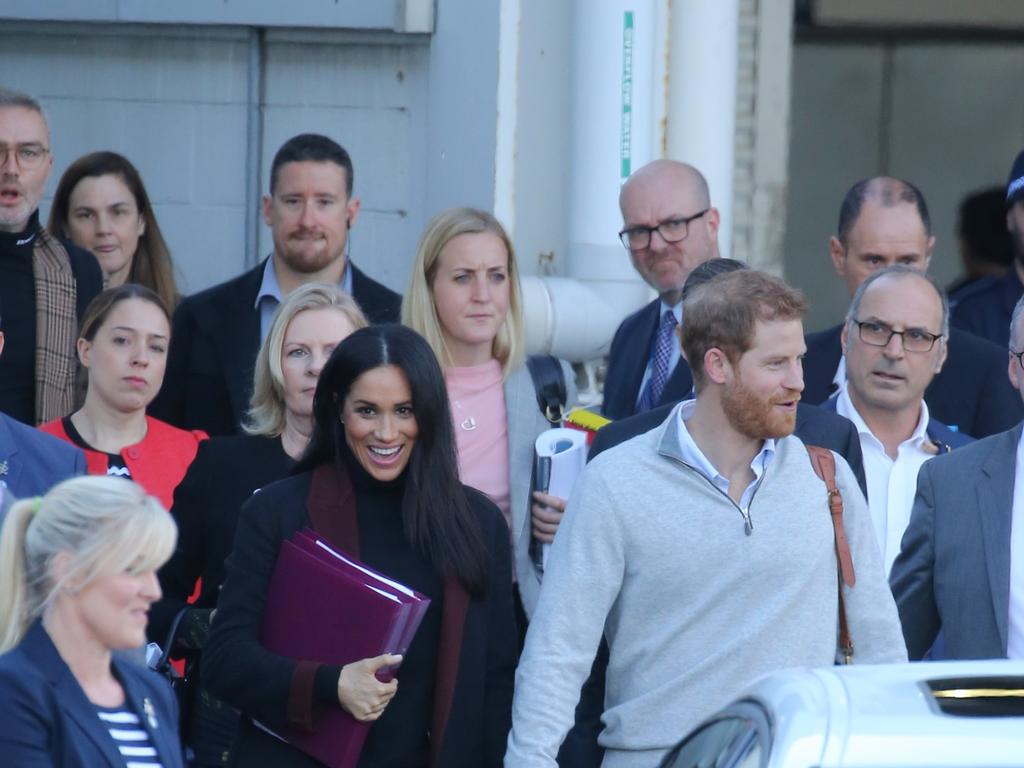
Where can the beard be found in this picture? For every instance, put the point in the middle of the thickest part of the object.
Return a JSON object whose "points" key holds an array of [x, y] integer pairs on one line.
{"points": [[306, 253], [756, 417]]}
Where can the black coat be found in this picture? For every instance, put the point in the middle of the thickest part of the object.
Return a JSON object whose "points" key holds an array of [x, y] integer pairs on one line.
{"points": [[971, 393], [477, 645], [207, 502], [215, 340], [627, 361]]}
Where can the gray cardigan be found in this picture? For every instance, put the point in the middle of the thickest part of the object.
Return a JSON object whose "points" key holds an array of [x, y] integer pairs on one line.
{"points": [[525, 423], [651, 554]]}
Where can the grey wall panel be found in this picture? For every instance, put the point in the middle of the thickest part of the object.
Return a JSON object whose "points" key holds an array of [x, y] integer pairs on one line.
{"points": [[834, 142], [369, 98], [958, 122], [947, 116]]}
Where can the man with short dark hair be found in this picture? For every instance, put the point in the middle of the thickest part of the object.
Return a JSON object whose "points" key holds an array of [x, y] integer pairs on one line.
{"points": [[45, 283], [217, 333], [985, 308], [884, 221], [894, 342], [703, 550], [669, 227]]}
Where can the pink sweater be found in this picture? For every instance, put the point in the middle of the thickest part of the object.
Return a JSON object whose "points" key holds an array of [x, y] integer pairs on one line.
{"points": [[481, 429]]}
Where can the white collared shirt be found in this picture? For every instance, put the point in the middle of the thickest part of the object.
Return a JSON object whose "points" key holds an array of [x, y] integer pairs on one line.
{"points": [[695, 457], [892, 485], [1015, 619], [674, 355]]}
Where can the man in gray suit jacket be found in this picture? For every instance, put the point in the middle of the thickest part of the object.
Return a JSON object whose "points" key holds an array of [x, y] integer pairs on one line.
{"points": [[954, 570]]}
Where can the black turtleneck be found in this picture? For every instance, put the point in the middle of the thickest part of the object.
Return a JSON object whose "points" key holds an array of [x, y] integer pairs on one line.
{"points": [[399, 738], [18, 322]]}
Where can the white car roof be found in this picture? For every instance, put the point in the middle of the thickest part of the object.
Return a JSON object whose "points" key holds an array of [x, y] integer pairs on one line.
{"points": [[887, 715]]}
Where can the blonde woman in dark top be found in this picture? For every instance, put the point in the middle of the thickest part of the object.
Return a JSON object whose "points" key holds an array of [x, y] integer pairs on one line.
{"points": [[227, 470], [77, 575]]}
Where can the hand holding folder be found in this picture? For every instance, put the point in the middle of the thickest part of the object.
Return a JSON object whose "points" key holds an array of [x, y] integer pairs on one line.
{"points": [[325, 606]]}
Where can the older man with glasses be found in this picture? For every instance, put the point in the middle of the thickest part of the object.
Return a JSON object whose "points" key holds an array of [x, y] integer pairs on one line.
{"points": [[894, 341], [45, 284], [669, 227]]}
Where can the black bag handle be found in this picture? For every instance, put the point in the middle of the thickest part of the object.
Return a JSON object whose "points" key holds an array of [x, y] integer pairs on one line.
{"points": [[549, 383]]}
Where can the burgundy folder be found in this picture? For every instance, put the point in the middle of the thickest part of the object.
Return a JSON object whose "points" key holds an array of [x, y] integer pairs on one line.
{"points": [[325, 606]]}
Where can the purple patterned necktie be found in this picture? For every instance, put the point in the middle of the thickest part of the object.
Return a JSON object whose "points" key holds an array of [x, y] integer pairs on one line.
{"points": [[659, 364]]}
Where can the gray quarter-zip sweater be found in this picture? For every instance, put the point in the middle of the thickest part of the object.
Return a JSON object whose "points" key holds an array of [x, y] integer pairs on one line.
{"points": [[695, 608]]}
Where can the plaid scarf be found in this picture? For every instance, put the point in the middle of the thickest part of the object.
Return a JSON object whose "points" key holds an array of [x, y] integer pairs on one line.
{"points": [[56, 328]]}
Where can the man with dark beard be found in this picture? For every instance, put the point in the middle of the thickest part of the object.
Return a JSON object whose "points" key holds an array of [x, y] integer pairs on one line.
{"points": [[217, 333], [703, 550]]}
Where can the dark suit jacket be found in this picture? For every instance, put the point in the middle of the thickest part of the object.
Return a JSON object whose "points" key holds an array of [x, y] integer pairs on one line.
{"points": [[953, 570], [224, 474], [476, 648], [972, 391], [815, 426], [46, 720], [986, 307], [31, 462], [627, 361], [214, 344]]}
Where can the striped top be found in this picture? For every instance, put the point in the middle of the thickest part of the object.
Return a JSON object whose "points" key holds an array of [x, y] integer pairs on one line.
{"points": [[131, 737]]}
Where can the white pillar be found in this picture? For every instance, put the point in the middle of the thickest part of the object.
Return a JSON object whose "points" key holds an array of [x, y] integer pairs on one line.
{"points": [[702, 97], [617, 102]]}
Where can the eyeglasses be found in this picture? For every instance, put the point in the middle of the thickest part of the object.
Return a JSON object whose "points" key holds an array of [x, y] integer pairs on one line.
{"points": [[28, 156], [671, 231], [880, 334], [1019, 356]]}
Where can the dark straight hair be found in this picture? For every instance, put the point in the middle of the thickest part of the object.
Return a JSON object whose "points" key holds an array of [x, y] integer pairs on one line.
{"points": [[435, 509], [312, 147]]}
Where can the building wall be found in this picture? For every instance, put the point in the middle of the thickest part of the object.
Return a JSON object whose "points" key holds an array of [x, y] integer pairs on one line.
{"points": [[946, 115]]}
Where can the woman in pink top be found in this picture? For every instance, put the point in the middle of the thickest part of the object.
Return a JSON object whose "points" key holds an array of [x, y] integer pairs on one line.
{"points": [[464, 299]]}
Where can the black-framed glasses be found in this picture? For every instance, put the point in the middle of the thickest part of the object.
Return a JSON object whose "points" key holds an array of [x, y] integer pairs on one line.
{"points": [[1019, 356], [671, 230], [27, 156], [879, 335]]}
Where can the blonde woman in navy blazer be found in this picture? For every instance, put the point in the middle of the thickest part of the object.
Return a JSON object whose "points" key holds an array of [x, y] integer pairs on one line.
{"points": [[77, 577]]}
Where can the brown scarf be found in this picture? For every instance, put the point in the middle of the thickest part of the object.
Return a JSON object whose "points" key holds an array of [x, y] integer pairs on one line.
{"points": [[56, 328]]}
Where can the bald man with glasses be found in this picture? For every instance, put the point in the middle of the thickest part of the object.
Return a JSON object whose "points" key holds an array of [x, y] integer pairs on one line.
{"points": [[669, 227]]}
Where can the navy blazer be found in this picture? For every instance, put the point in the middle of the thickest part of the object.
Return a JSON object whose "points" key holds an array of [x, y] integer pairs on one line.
{"points": [[627, 361], [972, 391], [953, 570], [986, 307], [46, 721], [947, 439], [32, 462], [215, 340]]}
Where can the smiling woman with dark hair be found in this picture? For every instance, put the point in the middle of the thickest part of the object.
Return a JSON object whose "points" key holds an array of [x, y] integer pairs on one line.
{"points": [[379, 481]]}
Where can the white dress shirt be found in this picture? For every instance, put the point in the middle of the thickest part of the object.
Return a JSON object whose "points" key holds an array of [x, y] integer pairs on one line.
{"points": [[693, 456], [1015, 620], [892, 485]]}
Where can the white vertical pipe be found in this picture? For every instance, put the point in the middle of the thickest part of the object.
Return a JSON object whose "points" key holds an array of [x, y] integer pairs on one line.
{"points": [[508, 97], [702, 103], [614, 128]]}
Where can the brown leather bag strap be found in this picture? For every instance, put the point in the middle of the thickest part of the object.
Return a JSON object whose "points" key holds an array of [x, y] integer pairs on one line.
{"points": [[824, 465]]}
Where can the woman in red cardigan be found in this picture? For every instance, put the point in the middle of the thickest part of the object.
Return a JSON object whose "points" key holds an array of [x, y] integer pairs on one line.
{"points": [[123, 347]]}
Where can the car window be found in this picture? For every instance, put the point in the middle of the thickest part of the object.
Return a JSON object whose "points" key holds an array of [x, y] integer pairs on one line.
{"points": [[711, 746]]}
